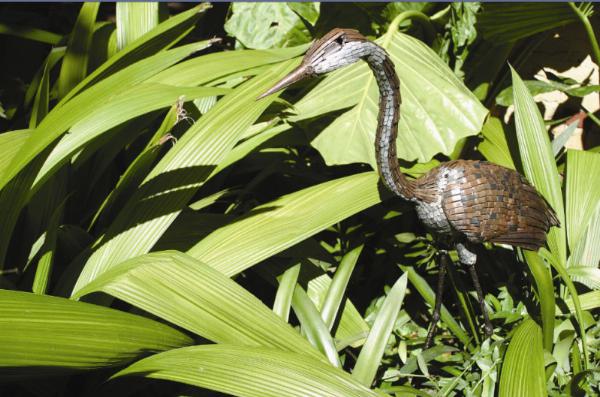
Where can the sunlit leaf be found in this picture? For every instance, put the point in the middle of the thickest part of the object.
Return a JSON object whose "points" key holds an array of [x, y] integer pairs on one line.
{"points": [[44, 334], [250, 372], [10, 144], [538, 161], [351, 329], [162, 37], [266, 25], [277, 225], [209, 68], [285, 292], [63, 117], [437, 110], [587, 248], [587, 275], [313, 326], [186, 292], [75, 62], [494, 146], [523, 367], [371, 354], [337, 289], [134, 20], [139, 100], [582, 196], [167, 189]]}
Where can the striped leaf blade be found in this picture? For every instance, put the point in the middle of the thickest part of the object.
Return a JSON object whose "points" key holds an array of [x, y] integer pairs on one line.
{"points": [[42, 334], [75, 62], [538, 161], [250, 372], [168, 188], [194, 296], [523, 368], [282, 223], [134, 20]]}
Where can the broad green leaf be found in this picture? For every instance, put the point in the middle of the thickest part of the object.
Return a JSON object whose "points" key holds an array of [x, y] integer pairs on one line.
{"points": [[175, 179], [538, 161], [587, 248], [337, 289], [282, 223], [285, 292], [194, 296], [10, 144], [313, 326], [545, 292], [582, 196], [63, 117], [266, 25], [208, 200], [587, 275], [540, 168], [419, 360], [75, 62], [494, 146], [134, 20], [249, 145], [589, 301], [352, 329], [437, 109], [55, 55], [42, 97], [27, 32], [43, 272], [162, 37], [42, 334], [523, 368], [371, 354], [308, 11], [250, 372], [139, 168], [209, 68], [140, 99], [506, 22]]}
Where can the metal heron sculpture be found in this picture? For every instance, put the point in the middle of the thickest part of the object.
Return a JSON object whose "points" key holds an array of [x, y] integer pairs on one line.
{"points": [[461, 202]]}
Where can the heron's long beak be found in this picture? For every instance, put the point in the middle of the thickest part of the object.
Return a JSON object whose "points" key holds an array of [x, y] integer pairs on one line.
{"points": [[295, 75]]}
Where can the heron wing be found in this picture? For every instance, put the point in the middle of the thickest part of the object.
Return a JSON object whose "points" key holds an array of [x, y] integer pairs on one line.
{"points": [[487, 202]]}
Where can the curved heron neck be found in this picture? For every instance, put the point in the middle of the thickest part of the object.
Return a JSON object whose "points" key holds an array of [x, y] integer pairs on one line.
{"points": [[387, 124]]}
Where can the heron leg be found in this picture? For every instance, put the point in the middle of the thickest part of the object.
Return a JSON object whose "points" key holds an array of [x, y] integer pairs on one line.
{"points": [[435, 318], [468, 259]]}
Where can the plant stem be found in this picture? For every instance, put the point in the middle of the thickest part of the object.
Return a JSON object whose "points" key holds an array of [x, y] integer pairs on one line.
{"points": [[589, 30], [418, 16]]}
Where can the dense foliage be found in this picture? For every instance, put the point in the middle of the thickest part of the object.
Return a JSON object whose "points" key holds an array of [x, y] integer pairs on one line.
{"points": [[159, 223]]}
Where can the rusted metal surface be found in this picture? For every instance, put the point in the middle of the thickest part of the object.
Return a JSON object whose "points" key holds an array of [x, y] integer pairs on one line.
{"points": [[462, 202], [482, 201]]}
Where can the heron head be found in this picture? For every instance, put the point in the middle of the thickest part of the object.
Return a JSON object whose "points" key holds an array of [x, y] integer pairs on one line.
{"points": [[338, 48]]}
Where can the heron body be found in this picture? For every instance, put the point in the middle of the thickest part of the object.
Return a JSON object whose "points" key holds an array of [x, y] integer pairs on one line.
{"points": [[463, 202]]}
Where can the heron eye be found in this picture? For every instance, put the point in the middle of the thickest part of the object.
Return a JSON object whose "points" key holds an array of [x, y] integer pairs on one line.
{"points": [[341, 40]]}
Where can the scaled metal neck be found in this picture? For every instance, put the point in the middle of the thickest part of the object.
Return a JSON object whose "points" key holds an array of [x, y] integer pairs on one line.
{"points": [[387, 123]]}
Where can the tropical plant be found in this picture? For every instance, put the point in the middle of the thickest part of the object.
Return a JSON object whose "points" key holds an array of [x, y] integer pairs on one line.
{"points": [[158, 222]]}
